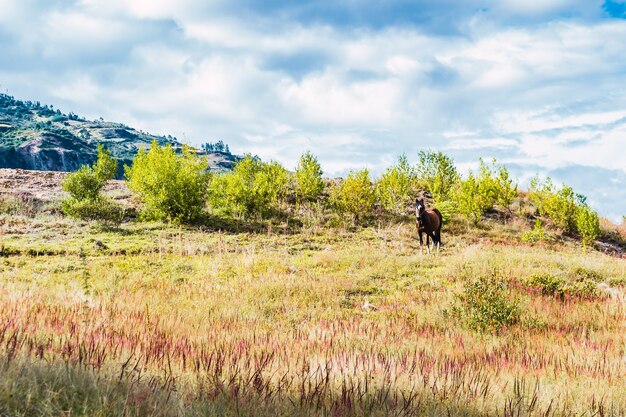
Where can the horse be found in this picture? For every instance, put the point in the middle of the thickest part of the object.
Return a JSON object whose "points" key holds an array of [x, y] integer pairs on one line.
{"points": [[428, 221]]}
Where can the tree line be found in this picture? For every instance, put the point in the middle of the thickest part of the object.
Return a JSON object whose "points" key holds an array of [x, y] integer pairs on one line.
{"points": [[178, 188]]}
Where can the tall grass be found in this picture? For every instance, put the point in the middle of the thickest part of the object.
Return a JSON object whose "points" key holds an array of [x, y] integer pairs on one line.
{"points": [[342, 323]]}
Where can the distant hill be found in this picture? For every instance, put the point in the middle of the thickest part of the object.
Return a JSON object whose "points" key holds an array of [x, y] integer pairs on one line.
{"points": [[38, 137]]}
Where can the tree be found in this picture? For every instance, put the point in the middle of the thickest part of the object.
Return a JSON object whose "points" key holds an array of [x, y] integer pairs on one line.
{"points": [[395, 185], [437, 174], [308, 178], [355, 195], [588, 224], [254, 187], [172, 186], [84, 186]]}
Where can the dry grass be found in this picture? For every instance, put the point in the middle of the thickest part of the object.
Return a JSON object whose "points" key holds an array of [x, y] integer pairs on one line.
{"points": [[162, 321]]}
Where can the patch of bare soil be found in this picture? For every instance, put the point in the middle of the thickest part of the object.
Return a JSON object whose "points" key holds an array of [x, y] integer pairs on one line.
{"points": [[45, 186]]}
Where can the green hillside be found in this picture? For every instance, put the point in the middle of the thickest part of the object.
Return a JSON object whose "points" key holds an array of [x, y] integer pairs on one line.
{"points": [[40, 137]]}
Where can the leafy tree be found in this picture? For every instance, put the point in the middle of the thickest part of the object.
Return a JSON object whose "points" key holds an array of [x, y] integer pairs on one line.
{"points": [[588, 224], [437, 174], [558, 205], [395, 185], [355, 195], [471, 201], [308, 178], [172, 186], [84, 186], [254, 187]]}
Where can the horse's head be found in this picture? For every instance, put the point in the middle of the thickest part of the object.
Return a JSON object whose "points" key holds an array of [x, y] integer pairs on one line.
{"points": [[419, 207]]}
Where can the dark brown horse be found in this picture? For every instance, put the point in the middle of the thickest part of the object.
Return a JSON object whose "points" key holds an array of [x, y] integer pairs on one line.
{"points": [[429, 221]]}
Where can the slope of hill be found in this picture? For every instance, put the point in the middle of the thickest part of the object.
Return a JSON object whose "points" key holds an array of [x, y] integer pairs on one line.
{"points": [[39, 137]]}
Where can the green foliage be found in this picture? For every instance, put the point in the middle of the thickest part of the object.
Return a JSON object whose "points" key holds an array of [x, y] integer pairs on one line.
{"points": [[567, 210], [254, 187], [105, 167], [99, 209], [87, 182], [474, 196], [535, 235], [355, 195], [308, 178], [504, 187], [551, 285], [394, 187], [437, 174], [486, 306], [172, 186], [558, 205], [588, 224], [84, 186]]}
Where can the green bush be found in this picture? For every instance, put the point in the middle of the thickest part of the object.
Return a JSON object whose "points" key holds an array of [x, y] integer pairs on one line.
{"points": [[355, 195], [558, 205], [588, 224], [486, 306], [437, 174], [172, 186], [88, 181], [309, 183], [253, 188], [474, 196], [536, 235], [551, 285], [84, 186], [100, 209], [395, 185]]}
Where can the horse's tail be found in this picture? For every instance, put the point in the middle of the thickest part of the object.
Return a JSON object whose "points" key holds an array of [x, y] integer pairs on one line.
{"points": [[438, 230]]}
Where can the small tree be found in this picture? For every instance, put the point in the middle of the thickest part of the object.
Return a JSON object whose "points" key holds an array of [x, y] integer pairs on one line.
{"points": [[558, 205], [437, 174], [254, 187], [172, 186], [588, 224], [355, 195], [85, 186], [395, 185], [308, 178]]}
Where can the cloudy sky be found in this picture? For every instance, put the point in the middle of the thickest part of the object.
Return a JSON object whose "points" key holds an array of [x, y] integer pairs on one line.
{"points": [[538, 84]]}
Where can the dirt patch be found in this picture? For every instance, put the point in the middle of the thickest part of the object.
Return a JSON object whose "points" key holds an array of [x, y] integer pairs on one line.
{"points": [[46, 185]]}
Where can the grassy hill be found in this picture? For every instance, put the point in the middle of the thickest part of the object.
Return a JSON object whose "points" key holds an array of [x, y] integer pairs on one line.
{"points": [[39, 137], [306, 318]]}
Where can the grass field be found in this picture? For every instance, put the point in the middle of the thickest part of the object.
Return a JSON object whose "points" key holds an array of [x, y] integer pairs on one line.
{"points": [[150, 320]]}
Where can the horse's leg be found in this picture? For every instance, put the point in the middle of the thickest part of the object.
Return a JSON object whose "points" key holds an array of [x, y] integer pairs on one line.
{"points": [[428, 242], [421, 243], [438, 236]]}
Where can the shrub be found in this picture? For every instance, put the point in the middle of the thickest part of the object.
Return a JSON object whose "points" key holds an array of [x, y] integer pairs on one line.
{"points": [[535, 235], [551, 285], [548, 284], [355, 195], [394, 187], [437, 174], [88, 181], [84, 186], [254, 187], [172, 186], [308, 178], [100, 209], [588, 224], [558, 205], [485, 305], [474, 196], [502, 187]]}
